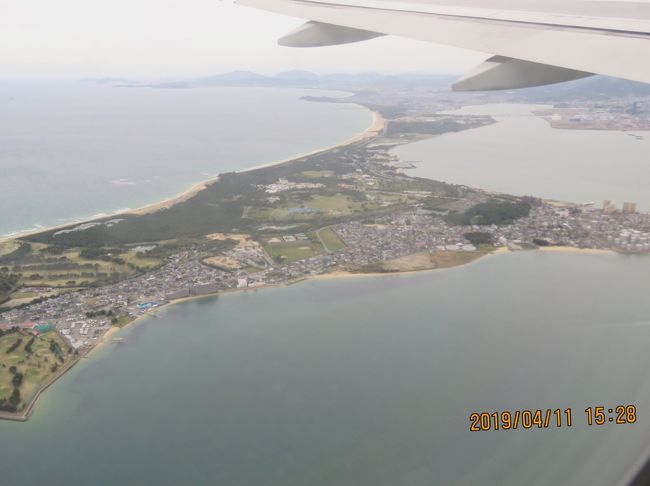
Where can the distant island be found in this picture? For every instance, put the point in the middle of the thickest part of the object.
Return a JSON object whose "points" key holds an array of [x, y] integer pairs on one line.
{"points": [[349, 209]]}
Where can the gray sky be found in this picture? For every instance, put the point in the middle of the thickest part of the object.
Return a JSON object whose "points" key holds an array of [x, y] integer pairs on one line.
{"points": [[176, 38]]}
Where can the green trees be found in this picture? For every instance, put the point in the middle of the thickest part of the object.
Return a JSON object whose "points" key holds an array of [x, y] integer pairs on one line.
{"points": [[477, 238], [14, 346], [8, 283], [17, 379], [11, 404], [28, 346], [56, 350], [18, 254], [491, 212]]}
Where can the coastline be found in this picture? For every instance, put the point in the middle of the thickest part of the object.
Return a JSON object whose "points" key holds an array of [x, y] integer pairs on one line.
{"points": [[335, 275], [376, 127], [29, 409], [105, 339], [572, 249], [373, 130], [31, 405]]}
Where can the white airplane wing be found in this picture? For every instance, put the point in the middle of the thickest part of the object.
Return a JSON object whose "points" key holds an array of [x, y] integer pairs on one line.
{"points": [[533, 42]]}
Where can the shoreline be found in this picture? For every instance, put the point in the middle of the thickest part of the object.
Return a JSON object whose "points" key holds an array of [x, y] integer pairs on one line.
{"points": [[29, 408], [105, 339], [573, 249], [335, 275], [33, 401], [373, 130], [376, 127]]}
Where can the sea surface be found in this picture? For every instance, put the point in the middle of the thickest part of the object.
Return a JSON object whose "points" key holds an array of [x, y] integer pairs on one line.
{"points": [[71, 150], [362, 381], [523, 155], [347, 382]]}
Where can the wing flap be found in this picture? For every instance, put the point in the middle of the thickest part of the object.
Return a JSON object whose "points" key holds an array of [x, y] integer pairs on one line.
{"points": [[318, 34], [500, 72], [574, 42]]}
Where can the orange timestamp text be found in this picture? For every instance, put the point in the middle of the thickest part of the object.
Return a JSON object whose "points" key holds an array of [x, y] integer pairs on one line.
{"points": [[544, 419]]}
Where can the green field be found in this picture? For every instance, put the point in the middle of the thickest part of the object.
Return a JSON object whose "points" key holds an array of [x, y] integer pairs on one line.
{"points": [[24, 295], [36, 367], [308, 208], [332, 240], [290, 252], [131, 257], [8, 246], [316, 173], [68, 268], [335, 205]]}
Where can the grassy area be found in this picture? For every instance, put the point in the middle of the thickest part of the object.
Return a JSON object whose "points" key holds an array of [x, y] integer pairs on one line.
{"points": [[289, 252], [123, 320], [386, 198], [316, 173], [426, 261], [335, 205], [307, 209], [293, 214], [20, 298], [15, 302], [332, 240], [24, 295], [65, 267], [446, 259], [8, 246], [36, 367], [250, 269], [131, 257]]}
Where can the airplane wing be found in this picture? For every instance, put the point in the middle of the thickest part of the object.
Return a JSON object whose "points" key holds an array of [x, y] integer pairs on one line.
{"points": [[533, 42]]}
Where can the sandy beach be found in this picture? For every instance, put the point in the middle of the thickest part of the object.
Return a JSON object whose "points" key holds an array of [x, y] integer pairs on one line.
{"points": [[338, 274], [571, 249], [375, 128], [105, 339], [184, 196]]}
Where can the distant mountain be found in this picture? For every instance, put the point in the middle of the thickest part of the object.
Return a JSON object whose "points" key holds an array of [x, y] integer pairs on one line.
{"points": [[297, 75], [243, 77], [297, 78], [109, 81], [593, 88], [233, 78]]}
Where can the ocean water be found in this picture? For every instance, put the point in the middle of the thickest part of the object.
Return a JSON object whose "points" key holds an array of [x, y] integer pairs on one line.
{"points": [[70, 150], [365, 381], [523, 155]]}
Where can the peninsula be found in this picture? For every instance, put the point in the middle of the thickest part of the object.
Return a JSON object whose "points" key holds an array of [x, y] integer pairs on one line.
{"points": [[348, 209]]}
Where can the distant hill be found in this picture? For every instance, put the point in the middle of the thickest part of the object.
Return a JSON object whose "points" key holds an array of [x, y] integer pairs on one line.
{"points": [[244, 77], [301, 79], [593, 88]]}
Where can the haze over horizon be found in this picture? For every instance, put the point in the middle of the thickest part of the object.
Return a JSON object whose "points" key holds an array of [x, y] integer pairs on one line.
{"points": [[174, 39]]}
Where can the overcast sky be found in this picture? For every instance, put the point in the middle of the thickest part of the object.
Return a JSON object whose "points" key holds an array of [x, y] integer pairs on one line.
{"points": [[177, 38]]}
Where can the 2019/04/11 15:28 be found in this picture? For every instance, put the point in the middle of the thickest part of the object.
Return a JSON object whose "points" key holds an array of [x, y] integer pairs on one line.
{"points": [[543, 419]]}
